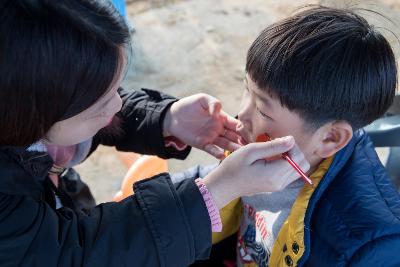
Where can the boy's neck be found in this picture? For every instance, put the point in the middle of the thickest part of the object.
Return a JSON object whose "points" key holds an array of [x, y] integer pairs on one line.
{"points": [[314, 166]]}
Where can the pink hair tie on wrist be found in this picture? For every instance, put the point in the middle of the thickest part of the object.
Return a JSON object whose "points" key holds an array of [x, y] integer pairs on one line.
{"points": [[213, 212]]}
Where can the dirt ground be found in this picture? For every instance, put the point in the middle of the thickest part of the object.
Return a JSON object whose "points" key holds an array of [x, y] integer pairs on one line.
{"points": [[186, 47]]}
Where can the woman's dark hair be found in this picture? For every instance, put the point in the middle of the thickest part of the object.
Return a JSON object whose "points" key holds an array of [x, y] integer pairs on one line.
{"points": [[325, 64], [57, 58]]}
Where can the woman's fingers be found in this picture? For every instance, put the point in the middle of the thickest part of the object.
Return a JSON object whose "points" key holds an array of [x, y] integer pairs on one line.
{"points": [[214, 150], [298, 157], [215, 108], [226, 144], [304, 165], [266, 170], [230, 122], [258, 151], [230, 142], [210, 103], [231, 136]]}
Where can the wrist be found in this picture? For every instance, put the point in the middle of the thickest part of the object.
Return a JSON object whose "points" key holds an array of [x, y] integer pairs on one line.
{"points": [[220, 192], [213, 210], [167, 122]]}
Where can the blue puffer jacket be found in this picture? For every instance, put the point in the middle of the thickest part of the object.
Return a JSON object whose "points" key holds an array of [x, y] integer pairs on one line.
{"points": [[353, 217]]}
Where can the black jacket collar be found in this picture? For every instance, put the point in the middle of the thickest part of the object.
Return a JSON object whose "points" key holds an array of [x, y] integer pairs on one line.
{"points": [[23, 172]]}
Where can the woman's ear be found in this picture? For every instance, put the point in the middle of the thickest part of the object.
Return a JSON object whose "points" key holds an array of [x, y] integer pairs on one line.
{"points": [[333, 137]]}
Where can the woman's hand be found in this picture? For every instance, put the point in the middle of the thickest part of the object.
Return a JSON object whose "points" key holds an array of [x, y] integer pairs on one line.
{"points": [[246, 172], [198, 121]]}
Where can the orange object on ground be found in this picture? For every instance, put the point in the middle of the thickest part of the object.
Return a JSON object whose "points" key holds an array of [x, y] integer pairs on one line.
{"points": [[128, 158], [143, 167]]}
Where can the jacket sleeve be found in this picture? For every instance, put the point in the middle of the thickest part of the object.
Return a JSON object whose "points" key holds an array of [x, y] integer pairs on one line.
{"points": [[382, 251], [161, 225], [138, 126]]}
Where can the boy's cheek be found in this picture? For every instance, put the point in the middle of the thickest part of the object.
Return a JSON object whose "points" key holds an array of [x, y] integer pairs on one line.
{"points": [[262, 127], [273, 131], [270, 130]]}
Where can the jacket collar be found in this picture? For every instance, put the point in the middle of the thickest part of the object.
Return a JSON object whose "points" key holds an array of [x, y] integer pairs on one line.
{"points": [[23, 172], [341, 158]]}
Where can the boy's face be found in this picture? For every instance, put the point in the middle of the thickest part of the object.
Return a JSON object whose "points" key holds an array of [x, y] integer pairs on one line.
{"points": [[260, 113]]}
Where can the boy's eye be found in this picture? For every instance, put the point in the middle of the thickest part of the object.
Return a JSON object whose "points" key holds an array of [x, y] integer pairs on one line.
{"points": [[263, 114]]}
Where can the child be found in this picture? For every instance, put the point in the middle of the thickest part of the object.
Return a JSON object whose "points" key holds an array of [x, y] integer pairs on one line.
{"points": [[61, 66], [320, 75]]}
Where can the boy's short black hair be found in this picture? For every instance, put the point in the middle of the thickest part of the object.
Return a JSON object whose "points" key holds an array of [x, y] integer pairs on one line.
{"points": [[325, 64], [57, 58]]}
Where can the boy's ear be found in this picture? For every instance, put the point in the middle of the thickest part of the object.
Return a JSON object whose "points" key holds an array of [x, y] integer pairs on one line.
{"points": [[333, 137]]}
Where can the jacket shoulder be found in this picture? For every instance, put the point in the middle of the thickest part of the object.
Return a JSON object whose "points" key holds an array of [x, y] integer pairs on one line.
{"points": [[360, 207], [382, 251]]}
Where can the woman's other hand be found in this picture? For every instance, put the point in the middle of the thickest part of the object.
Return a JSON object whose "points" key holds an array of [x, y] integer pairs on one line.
{"points": [[199, 121]]}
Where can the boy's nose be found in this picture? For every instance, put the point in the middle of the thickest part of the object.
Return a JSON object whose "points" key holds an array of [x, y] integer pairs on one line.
{"points": [[245, 131], [245, 112], [245, 120]]}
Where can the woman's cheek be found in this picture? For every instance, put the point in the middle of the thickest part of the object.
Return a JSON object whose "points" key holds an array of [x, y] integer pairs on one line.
{"points": [[117, 104]]}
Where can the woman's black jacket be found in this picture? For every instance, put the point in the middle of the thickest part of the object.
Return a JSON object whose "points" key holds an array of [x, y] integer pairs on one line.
{"points": [[161, 225]]}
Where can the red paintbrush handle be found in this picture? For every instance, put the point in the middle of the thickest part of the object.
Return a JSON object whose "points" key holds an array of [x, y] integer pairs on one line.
{"points": [[297, 168], [265, 138]]}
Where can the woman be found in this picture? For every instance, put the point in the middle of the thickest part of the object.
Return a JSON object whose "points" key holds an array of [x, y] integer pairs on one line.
{"points": [[60, 72]]}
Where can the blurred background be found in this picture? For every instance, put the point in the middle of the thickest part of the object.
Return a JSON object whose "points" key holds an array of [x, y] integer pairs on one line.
{"points": [[183, 47]]}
